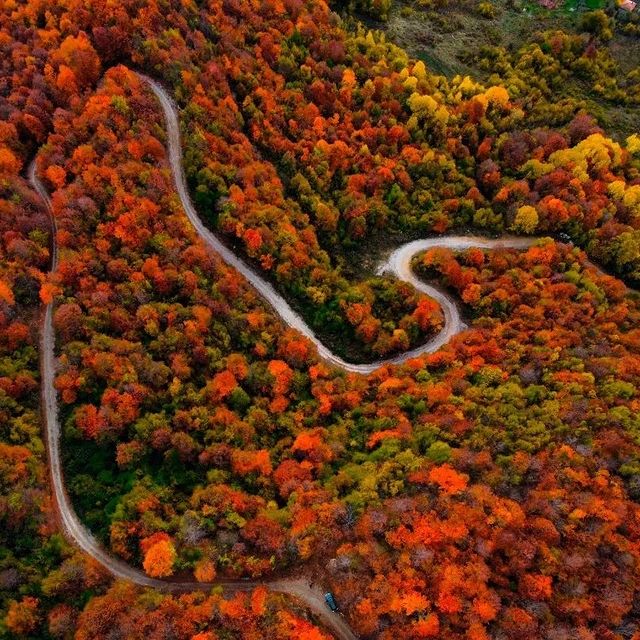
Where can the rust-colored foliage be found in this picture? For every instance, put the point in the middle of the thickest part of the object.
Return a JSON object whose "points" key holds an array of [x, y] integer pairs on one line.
{"points": [[488, 490]]}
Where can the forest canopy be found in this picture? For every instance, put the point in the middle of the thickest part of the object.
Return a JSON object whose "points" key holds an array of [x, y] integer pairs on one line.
{"points": [[489, 489]]}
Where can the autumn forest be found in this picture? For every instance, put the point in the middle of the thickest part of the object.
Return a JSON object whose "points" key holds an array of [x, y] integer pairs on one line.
{"points": [[284, 311]]}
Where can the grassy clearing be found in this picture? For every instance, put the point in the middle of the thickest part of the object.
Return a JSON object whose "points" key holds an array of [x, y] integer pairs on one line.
{"points": [[442, 34]]}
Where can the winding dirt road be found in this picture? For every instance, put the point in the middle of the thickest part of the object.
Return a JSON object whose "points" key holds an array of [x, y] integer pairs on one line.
{"points": [[81, 537], [398, 264]]}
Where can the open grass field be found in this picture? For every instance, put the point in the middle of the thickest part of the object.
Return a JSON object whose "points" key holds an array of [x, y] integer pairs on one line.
{"points": [[446, 36]]}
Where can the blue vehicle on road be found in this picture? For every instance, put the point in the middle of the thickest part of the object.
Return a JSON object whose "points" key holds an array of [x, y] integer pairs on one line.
{"points": [[331, 601]]}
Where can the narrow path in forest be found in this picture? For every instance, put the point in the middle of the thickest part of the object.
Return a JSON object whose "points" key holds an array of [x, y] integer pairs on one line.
{"points": [[79, 535], [398, 264]]}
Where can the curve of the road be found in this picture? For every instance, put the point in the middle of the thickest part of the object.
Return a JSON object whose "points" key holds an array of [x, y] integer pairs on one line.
{"points": [[81, 537], [398, 264]]}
